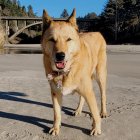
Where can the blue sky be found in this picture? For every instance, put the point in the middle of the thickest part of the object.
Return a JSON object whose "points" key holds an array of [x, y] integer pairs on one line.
{"points": [[55, 7]]}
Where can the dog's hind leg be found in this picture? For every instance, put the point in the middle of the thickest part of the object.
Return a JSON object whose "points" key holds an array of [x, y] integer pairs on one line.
{"points": [[101, 72], [78, 111]]}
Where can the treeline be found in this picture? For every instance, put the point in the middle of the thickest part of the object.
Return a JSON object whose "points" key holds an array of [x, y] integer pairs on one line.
{"points": [[119, 22], [14, 8]]}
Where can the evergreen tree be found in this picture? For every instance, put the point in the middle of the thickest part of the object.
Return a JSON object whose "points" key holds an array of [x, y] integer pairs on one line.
{"points": [[24, 11], [13, 8], [9, 2], [90, 16], [14, 1], [64, 14], [30, 11], [18, 4], [107, 20], [3, 2]]}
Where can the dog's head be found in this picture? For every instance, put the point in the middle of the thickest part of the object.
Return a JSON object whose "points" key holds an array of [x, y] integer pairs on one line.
{"points": [[60, 41]]}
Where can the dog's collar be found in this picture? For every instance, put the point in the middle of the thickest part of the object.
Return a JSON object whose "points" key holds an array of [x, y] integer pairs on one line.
{"points": [[56, 74], [57, 77]]}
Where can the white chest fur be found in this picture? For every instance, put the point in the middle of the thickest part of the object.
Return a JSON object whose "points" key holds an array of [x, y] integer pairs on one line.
{"points": [[63, 90], [68, 90]]}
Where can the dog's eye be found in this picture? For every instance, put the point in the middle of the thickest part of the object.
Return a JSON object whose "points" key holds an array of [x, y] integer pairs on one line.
{"points": [[52, 40], [69, 39]]}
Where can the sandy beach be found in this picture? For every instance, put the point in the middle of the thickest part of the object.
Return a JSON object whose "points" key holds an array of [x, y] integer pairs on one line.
{"points": [[26, 111]]}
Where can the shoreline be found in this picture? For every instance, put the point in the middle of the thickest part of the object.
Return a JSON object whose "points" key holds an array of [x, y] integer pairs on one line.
{"points": [[31, 48], [124, 48]]}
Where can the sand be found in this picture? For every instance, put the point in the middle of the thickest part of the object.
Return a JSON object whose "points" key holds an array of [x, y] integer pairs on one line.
{"points": [[26, 108]]}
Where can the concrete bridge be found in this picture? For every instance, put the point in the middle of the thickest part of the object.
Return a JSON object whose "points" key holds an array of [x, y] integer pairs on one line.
{"points": [[35, 21]]}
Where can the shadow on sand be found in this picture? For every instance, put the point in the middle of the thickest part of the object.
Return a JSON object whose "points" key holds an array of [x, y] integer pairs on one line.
{"points": [[16, 96]]}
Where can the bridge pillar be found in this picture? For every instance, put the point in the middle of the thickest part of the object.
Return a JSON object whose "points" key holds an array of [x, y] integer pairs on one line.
{"points": [[25, 23], [7, 30], [16, 25]]}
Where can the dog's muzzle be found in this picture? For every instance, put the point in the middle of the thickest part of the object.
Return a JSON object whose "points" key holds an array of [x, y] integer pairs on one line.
{"points": [[60, 60]]}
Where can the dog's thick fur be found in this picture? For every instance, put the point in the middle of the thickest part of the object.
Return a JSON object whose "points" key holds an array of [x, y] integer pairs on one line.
{"points": [[85, 58]]}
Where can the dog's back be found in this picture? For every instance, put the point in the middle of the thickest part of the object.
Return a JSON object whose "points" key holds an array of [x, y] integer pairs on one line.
{"points": [[94, 41], [96, 48]]}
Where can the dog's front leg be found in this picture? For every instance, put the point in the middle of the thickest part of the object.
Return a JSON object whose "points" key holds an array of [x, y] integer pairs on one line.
{"points": [[57, 101]]}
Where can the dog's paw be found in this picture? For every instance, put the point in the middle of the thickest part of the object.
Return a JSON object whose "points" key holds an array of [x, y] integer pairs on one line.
{"points": [[103, 114], [95, 131], [54, 131], [77, 112]]}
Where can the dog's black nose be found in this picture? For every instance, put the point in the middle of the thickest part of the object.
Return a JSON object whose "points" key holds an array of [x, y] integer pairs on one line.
{"points": [[60, 56]]}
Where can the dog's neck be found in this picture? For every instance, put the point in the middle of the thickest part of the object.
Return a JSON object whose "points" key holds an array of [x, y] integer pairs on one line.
{"points": [[57, 78]]}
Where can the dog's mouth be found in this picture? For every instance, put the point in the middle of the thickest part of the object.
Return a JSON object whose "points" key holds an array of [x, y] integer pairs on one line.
{"points": [[60, 64]]}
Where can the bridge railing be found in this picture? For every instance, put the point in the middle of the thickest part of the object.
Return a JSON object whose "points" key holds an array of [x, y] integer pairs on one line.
{"points": [[40, 19]]}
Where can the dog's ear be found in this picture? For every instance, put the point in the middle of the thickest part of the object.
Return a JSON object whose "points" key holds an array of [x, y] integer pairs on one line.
{"points": [[72, 18], [46, 20]]}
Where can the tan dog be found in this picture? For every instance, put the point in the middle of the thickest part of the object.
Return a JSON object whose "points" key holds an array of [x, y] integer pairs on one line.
{"points": [[71, 60]]}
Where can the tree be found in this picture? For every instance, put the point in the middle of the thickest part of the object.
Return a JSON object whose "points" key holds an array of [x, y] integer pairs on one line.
{"points": [[13, 8], [30, 11], [9, 2], [18, 4], [64, 14], [90, 16], [14, 1], [120, 20], [24, 11], [107, 20], [2, 2]]}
